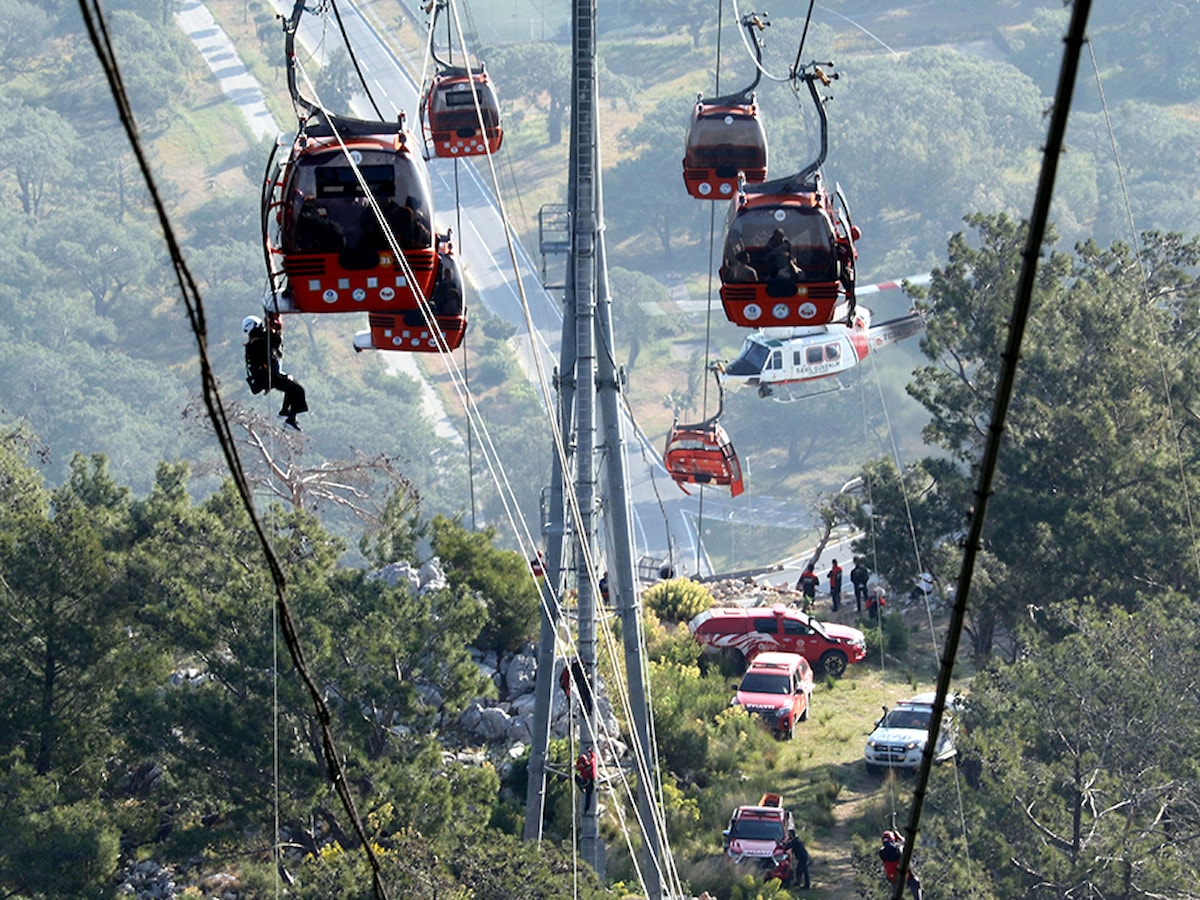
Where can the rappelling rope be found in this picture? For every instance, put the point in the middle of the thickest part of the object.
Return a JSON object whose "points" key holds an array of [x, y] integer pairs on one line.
{"points": [[1135, 244], [934, 640]]}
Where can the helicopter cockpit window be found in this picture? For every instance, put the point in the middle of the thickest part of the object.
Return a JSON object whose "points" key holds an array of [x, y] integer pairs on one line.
{"points": [[833, 352], [815, 355]]}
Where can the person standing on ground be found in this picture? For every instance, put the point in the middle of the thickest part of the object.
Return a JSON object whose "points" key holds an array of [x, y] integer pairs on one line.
{"points": [[799, 854], [835, 585], [807, 585], [859, 576]]}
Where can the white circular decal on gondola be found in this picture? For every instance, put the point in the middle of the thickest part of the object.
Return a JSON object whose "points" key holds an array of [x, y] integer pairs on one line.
{"points": [[780, 310], [387, 294], [807, 310], [330, 295], [752, 311], [359, 295], [705, 188], [726, 188], [780, 215]]}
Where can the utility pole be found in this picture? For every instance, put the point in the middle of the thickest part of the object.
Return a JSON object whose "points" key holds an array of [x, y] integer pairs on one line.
{"points": [[587, 373]]}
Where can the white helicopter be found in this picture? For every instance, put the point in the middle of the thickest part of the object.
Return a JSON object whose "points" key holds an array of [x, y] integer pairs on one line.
{"points": [[775, 358]]}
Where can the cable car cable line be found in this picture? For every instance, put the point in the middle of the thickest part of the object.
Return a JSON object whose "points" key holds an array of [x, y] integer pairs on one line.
{"points": [[803, 38], [354, 59], [569, 495]]}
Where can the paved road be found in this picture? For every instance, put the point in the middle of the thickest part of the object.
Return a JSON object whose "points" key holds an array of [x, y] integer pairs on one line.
{"points": [[218, 51]]}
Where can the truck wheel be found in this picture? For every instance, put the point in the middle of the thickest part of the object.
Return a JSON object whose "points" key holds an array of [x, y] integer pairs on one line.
{"points": [[833, 662]]}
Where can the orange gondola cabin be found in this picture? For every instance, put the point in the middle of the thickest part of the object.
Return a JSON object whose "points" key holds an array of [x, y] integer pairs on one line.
{"points": [[347, 222], [702, 454], [726, 142], [789, 254], [788, 257], [455, 126]]}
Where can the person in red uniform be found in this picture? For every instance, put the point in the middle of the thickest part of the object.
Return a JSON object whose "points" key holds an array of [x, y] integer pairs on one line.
{"points": [[890, 854], [835, 585], [586, 771], [807, 585]]}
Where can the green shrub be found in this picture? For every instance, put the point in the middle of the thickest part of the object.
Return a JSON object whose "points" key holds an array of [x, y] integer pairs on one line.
{"points": [[669, 643], [894, 634], [678, 599]]}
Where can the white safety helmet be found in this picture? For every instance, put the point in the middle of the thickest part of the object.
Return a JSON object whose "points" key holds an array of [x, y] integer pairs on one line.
{"points": [[250, 323]]}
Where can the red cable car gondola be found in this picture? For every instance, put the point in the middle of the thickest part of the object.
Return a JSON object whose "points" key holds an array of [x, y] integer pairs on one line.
{"points": [[349, 195], [703, 453], [789, 250], [460, 112], [726, 138], [452, 120]]}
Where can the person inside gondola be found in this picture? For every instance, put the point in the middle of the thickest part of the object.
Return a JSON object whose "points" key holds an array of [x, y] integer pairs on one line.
{"points": [[421, 234], [781, 267], [447, 297], [738, 270], [315, 231], [399, 219]]}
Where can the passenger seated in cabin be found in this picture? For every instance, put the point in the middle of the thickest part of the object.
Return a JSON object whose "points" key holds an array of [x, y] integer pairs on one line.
{"points": [[315, 231], [778, 256], [421, 235], [782, 271], [737, 269], [398, 218], [447, 299]]}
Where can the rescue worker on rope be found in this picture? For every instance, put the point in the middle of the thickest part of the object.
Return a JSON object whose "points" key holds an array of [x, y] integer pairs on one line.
{"points": [[890, 854], [263, 369], [586, 772]]}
